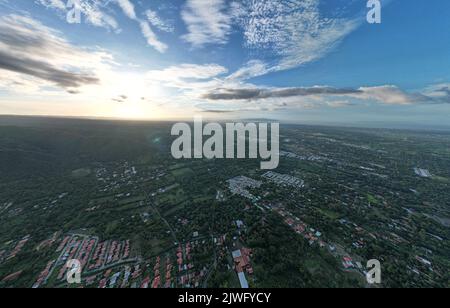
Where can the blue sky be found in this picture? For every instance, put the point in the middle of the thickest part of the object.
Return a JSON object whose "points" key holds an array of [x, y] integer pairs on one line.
{"points": [[306, 61]]}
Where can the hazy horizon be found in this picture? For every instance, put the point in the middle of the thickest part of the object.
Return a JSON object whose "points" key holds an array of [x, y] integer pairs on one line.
{"points": [[362, 125]]}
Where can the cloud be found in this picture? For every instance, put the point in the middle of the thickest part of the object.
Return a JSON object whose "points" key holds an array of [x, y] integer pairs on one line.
{"points": [[235, 109], [295, 31], [440, 93], [238, 108], [120, 99], [28, 49], [157, 22], [127, 8], [386, 94], [207, 21], [56, 4], [391, 95], [187, 76], [92, 10], [44, 70], [217, 111], [152, 39], [252, 68], [94, 13], [258, 93]]}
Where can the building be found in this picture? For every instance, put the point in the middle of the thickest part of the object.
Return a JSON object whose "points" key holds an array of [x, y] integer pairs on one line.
{"points": [[243, 281]]}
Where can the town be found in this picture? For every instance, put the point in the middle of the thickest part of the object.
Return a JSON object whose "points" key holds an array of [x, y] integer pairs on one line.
{"points": [[143, 219]]}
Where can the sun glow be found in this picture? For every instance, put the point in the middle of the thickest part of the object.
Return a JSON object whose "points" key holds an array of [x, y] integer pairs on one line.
{"points": [[138, 110], [130, 111], [132, 96]]}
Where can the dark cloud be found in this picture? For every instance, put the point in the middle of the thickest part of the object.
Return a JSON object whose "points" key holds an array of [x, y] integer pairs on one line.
{"points": [[446, 95], [21, 38], [30, 48], [120, 99], [43, 70], [445, 89], [385, 94], [217, 111], [255, 94]]}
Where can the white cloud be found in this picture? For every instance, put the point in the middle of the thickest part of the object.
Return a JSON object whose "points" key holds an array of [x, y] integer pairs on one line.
{"points": [[157, 22], [94, 13], [127, 8], [96, 16], [251, 69], [387, 94], [152, 39], [188, 76], [293, 30], [92, 10], [207, 22], [56, 4]]}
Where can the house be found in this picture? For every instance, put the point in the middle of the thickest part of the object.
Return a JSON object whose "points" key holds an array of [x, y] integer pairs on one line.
{"points": [[347, 262], [12, 277], [424, 261], [236, 254], [242, 260]]}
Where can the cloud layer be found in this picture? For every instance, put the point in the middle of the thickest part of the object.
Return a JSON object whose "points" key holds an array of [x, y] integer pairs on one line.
{"points": [[28, 48], [94, 12], [391, 95], [207, 22], [294, 30], [258, 93]]}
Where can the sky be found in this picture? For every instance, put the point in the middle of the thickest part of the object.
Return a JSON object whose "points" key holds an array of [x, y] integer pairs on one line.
{"points": [[299, 61]]}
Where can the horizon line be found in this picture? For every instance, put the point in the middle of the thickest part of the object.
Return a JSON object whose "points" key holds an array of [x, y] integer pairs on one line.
{"points": [[410, 126]]}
